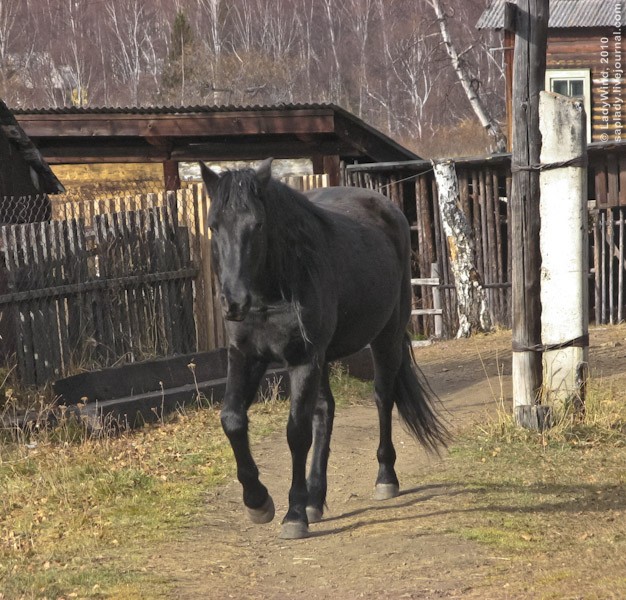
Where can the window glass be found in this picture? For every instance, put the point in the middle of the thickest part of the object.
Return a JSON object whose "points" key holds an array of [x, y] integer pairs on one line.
{"points": [[560, 86], [576, 88]]}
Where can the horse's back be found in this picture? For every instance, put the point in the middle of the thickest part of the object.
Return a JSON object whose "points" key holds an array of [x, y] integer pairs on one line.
{"points": [[370, 249], [363, 208]]}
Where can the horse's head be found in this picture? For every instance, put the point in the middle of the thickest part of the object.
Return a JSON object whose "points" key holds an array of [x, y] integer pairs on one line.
{"points": [[237, 219]]}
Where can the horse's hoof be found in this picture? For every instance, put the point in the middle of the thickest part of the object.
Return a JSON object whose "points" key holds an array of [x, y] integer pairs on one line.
{"points": [[314, 515], [263, 514], [385, 491], [294, 530]]}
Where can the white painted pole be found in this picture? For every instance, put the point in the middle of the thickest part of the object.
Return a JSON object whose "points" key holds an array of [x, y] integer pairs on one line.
{"points": [[564, 250]]}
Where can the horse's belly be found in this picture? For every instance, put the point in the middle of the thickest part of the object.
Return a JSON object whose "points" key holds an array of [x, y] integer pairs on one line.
{"points": [[360, 323]]}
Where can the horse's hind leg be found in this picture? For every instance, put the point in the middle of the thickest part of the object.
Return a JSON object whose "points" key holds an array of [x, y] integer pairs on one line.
{"points": [[387, 356], [322, 429]]}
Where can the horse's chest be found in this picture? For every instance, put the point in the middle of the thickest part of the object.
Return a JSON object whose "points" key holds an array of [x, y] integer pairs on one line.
{"points": [[276, 339]]}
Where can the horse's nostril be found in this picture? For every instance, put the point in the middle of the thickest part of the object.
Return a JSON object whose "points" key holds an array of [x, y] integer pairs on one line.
{"points": [[233, 310]]}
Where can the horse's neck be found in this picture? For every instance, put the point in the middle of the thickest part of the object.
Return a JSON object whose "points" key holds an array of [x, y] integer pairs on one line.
{"points": [[297, 244]]}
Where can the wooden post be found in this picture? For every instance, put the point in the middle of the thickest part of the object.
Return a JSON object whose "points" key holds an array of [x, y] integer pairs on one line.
{"points": [[472, 308], [332, 167], [434, 273], [171, 176], [564, 251], [509, 41], [530, 23]]}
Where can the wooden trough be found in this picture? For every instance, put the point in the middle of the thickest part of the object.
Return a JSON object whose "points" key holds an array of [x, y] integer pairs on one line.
{"points": [[131, 395]]}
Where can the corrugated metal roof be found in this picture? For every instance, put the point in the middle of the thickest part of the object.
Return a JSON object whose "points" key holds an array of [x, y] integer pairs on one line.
{"points": [[168, 110], [564, 13]]}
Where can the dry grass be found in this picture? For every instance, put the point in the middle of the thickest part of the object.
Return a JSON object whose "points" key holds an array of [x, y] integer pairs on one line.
{"points": [[550, 505], [80, 507], [79, 514], [467, 138]]}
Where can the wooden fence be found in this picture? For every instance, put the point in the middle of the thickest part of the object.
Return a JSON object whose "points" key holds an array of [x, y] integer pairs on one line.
{"points": [[120, 290], [190, 207], [483, 193], [109, 281], [485, 186]]}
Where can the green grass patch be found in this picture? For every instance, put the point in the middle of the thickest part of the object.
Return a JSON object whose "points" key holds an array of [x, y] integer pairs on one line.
{"points": [[347, 390]]}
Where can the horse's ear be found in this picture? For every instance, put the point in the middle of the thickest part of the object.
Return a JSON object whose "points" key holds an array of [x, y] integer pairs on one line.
{"points": [[209, 177], [264, 171]]}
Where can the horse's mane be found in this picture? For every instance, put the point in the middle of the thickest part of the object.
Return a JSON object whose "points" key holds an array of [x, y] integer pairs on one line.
{"points": [[296, 230]]}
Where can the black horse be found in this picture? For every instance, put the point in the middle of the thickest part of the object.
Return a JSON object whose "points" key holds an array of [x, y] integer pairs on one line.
{"points": [[307, 279]]}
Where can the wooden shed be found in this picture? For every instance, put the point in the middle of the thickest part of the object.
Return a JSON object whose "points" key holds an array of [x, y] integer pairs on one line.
{"points": [[25, 177], [25, 182], [584, 58], [325, 133]]}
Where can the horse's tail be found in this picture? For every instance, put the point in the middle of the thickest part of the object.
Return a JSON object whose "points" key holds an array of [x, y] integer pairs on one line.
{"points": [[416, 402]]}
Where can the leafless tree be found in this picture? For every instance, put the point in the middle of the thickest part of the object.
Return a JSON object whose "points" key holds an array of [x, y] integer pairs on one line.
{"points": [[382, 59], [412, 60], [467, 81], [335, 79], [133, 48], [358, 17], [76, 54]]}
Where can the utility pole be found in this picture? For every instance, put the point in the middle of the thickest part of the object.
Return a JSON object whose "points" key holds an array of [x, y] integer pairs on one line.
{"points": [[528, 19]]}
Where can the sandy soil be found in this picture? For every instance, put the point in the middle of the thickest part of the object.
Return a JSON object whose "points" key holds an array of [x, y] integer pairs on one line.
{"points": [[363, 548]]}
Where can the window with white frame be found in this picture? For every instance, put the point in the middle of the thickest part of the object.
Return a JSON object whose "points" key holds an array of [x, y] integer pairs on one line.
{"points": [[575, 83]]}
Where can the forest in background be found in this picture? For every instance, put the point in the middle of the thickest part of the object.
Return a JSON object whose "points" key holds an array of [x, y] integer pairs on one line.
{"points": [[383, 60]]}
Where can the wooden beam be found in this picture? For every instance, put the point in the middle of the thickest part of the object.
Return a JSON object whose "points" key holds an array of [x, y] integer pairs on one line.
{"points": [[256, 148], [368, 141], [156, 135], [509, 43], [178, 124], [510, 17], [318, 164], [75, 151]]}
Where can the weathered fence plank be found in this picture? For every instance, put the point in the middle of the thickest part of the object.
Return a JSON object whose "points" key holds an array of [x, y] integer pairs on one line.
{"points": [[125, 297]]}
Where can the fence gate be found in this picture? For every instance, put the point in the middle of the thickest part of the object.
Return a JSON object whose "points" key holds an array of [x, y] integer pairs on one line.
{"points": [[77, 297]]}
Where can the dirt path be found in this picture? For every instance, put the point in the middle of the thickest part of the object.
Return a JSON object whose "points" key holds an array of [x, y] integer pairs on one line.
{"points": [[363, 548]]}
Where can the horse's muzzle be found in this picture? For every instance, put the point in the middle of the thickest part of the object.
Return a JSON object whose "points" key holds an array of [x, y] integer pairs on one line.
{"points": [[235, 311]]}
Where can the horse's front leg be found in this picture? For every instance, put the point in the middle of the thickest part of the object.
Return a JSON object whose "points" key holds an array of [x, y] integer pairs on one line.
{"points": [[305, 385], [244, 376]]}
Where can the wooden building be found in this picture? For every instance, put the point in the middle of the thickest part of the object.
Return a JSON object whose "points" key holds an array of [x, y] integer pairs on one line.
{"points": [[584, 58], [25, 182], [25, 177]]}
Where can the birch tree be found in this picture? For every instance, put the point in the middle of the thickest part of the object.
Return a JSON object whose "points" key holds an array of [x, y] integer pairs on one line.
{"points": [[411, 61], [358, 15], [473, 311], [335, 79], [471, 91], [77, 53], [133, 44]]}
